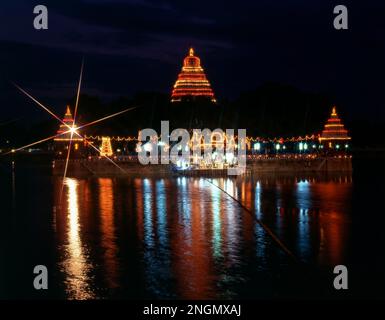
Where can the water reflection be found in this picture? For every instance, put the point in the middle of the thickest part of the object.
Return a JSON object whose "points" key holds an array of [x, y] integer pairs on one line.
{"points": [[161, 212], [303, 205], [76, 266], [333, 219], [107, 227], [217, 222], [148, 215], [185, 238], [259, 232]]}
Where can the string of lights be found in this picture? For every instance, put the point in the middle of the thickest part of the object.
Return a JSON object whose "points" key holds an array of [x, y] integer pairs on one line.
{"points": [[192, 81]]}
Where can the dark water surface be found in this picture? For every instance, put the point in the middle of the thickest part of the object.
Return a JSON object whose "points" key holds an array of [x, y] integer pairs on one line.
{"points": [[184, 238]]}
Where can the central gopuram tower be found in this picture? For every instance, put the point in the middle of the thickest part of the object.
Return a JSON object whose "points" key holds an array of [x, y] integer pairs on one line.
{"points": [[192, 81], [334, 134], [64, 136]]}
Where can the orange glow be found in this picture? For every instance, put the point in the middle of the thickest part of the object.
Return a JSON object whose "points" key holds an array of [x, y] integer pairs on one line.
{"points": [[192, 80], [67, 128], [76, 265], [108, 231], [106, 148], [334, 129]]}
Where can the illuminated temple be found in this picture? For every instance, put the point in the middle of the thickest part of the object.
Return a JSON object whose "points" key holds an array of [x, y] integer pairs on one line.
{"points": [[63, 133], [192, 81], [334, 131]]}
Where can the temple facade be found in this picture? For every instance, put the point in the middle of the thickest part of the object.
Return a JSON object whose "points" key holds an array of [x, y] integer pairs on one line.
{"points": [[192, 81]]}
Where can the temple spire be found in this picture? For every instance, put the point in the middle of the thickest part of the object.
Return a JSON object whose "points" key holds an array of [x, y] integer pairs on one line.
{"points": [[334, 130], [192, 81], [68, 111], [68, 122]]}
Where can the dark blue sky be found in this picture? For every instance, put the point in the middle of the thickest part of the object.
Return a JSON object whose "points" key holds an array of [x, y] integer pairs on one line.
{"points": [[139, 45]]}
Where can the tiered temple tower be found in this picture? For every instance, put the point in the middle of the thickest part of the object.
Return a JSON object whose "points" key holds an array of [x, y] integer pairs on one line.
{"points": [[63, 132], [192, 81], [334, 132], [64, 136], [106, 148]]}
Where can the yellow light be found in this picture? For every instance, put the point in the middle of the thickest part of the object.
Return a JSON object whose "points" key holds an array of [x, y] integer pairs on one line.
{"points": [[192, 80]]}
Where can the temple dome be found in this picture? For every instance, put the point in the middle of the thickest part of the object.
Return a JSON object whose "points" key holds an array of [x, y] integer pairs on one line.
{"points": [[191, 61]]}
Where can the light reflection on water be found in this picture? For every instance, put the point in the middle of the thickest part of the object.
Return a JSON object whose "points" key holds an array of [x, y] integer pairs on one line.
{"points": [[183, 237], [75, 265], [108, 231]]}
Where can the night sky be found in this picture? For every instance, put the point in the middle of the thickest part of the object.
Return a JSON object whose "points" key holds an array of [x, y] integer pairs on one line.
{"points": [[139, 45]]}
